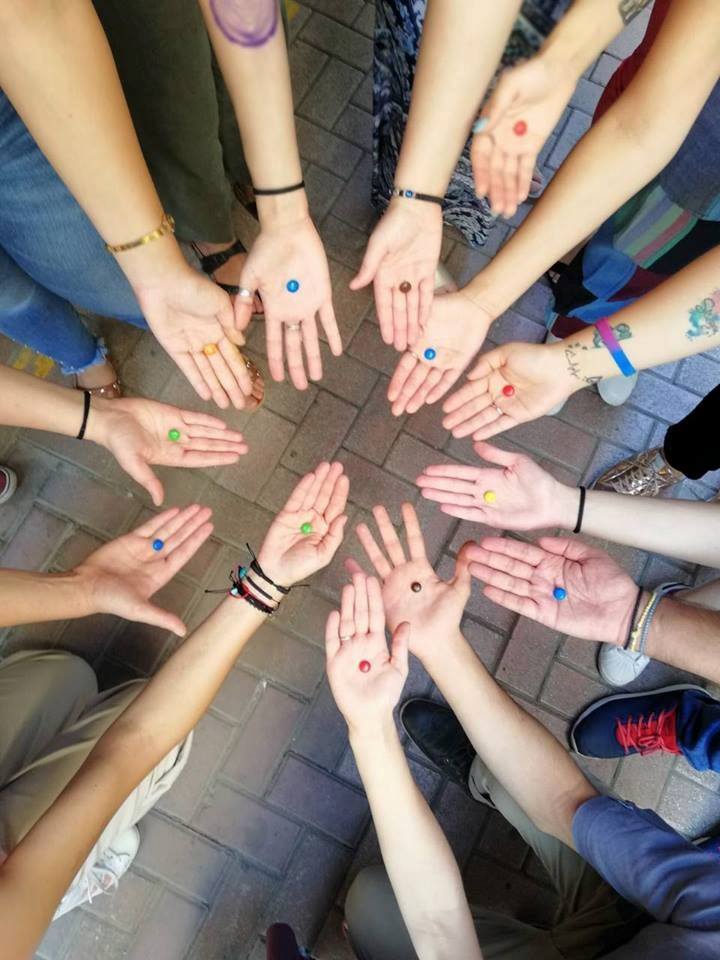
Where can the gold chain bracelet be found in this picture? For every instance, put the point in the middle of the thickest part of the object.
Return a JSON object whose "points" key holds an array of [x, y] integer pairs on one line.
{"points": [[167, 225]]}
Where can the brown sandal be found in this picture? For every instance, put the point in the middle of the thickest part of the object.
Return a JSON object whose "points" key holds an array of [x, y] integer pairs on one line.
{"points": [[257, 396]]}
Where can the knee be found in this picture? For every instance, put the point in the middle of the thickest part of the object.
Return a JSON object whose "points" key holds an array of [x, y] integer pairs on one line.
{"points": [[366, 901], [54, 670]]}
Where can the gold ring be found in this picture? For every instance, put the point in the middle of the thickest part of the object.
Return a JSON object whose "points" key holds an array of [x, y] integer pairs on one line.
{"points": [[209, 349]]}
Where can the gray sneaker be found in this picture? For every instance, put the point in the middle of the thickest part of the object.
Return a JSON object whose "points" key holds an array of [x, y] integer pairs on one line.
{"points": [[644, 475], [8, 483]]}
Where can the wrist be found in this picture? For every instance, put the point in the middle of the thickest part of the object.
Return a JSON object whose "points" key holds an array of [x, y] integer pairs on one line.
{"points": [[452, 649], [490, 292], [99, 420], [282, 210], [566, 505], [371, 732], [85, 595], [147, 266]]}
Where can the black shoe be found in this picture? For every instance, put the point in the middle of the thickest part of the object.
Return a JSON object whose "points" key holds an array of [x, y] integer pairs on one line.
{"points": [[438, 734]]}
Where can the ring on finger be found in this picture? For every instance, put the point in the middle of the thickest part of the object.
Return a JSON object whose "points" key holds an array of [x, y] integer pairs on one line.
{"points": [[499, 410], [244, 292], [294, 326]]}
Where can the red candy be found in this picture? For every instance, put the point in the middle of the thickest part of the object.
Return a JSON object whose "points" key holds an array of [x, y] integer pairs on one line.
{"points": [[520, 128], [508, 390], [364, 666]]}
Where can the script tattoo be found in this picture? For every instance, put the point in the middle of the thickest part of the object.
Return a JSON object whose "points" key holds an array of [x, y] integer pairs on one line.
{"points": [[250, 23], [629, 9], [573, 365], [705, 318]]}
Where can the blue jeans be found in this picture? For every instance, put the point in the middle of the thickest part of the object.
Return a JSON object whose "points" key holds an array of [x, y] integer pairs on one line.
{"points": [[51, 256]]}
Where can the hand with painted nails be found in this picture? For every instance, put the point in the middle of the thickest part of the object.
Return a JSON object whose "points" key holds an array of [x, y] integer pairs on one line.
{"points": [[141, 432], [192, 320], [287, 266], [365, 677], [454, 333], [304, 537], [600, 596], [411, 589], [524, 496], [515, 122], [122, 576], [404, 249], [539, 379]]}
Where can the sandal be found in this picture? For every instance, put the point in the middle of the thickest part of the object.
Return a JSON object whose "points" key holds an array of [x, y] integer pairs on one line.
{"points": [[107, 391], [210, 262], [257, 396]]}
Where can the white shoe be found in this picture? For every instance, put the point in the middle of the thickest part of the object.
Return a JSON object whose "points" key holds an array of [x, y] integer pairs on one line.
{"points": [[616, 390], [551, 338], [619, 667], [105, 875], [8, 483], [444, 280]]}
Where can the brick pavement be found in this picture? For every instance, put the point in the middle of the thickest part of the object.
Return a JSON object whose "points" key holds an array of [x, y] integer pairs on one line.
{"points": [[269, 821]]}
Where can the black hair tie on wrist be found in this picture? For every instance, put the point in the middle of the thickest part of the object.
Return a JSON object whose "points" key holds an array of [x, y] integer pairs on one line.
{"points": [[581, 511], [86, 414], [276, 191]]}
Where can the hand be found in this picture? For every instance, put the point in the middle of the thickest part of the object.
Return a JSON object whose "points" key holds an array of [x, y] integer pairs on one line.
{"points": [[534, 93], [455, 330], [536, 373], [526, 496], [435, 611], [522, 576], [283, 252], [404, 247], [289, 555], [136, 433], [357, 633], [187, 312], [122, 575]]}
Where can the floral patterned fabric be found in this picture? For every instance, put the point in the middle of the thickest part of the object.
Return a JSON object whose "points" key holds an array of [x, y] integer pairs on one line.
{"points": [[398, 28]]}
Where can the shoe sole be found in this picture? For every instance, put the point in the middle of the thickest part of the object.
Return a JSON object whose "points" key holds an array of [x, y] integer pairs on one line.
{"points": [[11, 487], [623, 696]]}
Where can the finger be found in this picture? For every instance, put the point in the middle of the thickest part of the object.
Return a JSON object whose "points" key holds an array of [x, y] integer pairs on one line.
{"points": [[206, 446], [243, 309], [332, 636], [399, 312], [404, 369], [493, 454], [515, 549], [413, 533], [148, 528], [497, 184], [526, 168], [361, 611], [347, 611], [297, 497], [232, 372], [420, 396], [338, 498], [480, 153], [471, 408], [274, 337], [197, 459], [443, 496], [157, 617], [384, 310], [187, 530], [208, 374], [192, 418], [139, 470], [509, 173], [188, 366], [352, 566], [400, 646], [293, 350], [329, 325], [413, 307], [494, 427], [374, 553], [327, 487], [374, 254], [497, 578], [449, 485], [567, 547], [389, 536], [328, 546], [522, 605], [312, 348], [177, 522], [411, 385], [426, 289], [474, 514], [187, 550], [321, 472], [466, 394], [447, 380], [376, 607], [454, 470]]}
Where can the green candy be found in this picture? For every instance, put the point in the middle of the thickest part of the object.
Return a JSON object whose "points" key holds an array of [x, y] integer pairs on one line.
{"points": [[173, 434], [306, 528]]}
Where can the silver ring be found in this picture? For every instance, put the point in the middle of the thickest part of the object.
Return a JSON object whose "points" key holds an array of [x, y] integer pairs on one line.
{"points": [[500, 412], [294, 326], [346, 638], [244, 292]]}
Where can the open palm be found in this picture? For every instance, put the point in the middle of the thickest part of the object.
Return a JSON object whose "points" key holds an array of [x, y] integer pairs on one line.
{"points": [[523, 576]]}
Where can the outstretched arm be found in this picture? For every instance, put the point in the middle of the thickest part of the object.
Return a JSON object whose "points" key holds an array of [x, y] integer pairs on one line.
{"points": [[161, 716], [422, 869]]}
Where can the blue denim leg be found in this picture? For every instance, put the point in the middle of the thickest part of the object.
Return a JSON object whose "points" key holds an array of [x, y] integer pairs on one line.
{"points": [[698, 730], [48, 236]]}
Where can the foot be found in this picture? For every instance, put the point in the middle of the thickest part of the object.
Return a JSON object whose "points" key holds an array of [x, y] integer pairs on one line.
{"points": [[8, 484], [629, 723], [105, 874], [101, 380], [620, 667], [230, 271], [645, 475], [437, 733], [616, 390]]}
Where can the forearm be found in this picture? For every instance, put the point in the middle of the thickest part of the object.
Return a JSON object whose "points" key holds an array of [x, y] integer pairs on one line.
{"points": [[422, 869], [459, 52], [686, 636], [517, 749], [41, 597], [584, 32], [36, 404]]}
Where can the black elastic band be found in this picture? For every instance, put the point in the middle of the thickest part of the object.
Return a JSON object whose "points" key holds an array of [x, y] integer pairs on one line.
{"points": [[581, 511], [414, 195], [86, 414], [632, 618], [259, 589], [255, 566], [275, 191]]}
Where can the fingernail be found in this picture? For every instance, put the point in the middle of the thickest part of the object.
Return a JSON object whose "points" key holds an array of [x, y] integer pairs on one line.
{"points": [[479, 125]]}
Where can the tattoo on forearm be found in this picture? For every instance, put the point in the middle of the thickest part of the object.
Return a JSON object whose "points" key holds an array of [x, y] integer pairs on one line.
{"points": [[629, 9], [573, 363], [705, 318], [622, 332], [250, 23]]}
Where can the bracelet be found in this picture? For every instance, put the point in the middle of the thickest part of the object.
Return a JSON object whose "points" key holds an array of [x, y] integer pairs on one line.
{"points": [[414, 195], [86, 413], [241, 592], [256, 568], [275, 191], [638, 635], [257, 588], [581, 510], [167, 225], [607, 335], [632, 617]]}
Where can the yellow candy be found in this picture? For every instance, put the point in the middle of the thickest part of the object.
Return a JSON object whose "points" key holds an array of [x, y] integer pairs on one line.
{"points": [[489, 496]]}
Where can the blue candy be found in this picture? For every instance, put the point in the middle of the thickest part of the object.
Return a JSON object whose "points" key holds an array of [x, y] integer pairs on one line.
{"points": [[430, 354], [158, 544], [560, 593], [293, 286]]}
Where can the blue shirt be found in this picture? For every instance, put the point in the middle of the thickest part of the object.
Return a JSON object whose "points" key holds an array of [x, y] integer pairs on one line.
{"points": [[656, 869]]}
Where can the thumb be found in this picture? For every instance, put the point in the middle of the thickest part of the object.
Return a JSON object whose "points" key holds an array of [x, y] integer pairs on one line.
{"points": [[483, 368], [369, 266], [493, 454], [331, 541], [462, 566], [140, 471], [499, 102], [399, 648], [244, 305], [157, 617]]}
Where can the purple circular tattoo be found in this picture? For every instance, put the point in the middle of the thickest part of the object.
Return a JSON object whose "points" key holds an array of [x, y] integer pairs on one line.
{"points": [[251, 23]]}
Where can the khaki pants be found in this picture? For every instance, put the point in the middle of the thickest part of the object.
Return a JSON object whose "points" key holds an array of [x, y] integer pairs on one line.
{"points": [[51, 716], [592, 919]]}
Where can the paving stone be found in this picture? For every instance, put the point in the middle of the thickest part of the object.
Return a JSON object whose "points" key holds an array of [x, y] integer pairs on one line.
{"points": [[631, 36], [464, 263], [330, 94], [353, 204], [701, 375], [487, 644], [93, 458], [586, 96], [527, 657], [326, 149], [170, 930], [239, 522], [141, 645], [313, 796], [322, 737], [427, 426], [339, 41], [320, 434], [368, 346], [305, 65], [567, 691], [331, 943], [662, 399], [409, 457], [277, 490], [284, 399], [305, 613], [345, 11], [248, 476], [346, 377], [88, 637], [59, 936], [555, 440], [32, 546], [437, 529], [280, 657], [93, 503], [375, 429], [263, 740], [580, 653], [99, 940], [34, 468], [180, 857], [605, 68], [512, 326], [147, 363], [479, 607], [690, 808], [355, 125], [370, 485], [364, 94], [322, 189], [235, 696], [557, 726], [127, 906], [587, 410], [343, 242], [642, 779], [200, 565], [576, 127]]}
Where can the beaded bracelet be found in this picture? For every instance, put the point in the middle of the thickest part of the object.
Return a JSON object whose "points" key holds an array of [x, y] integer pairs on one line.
{"points": [[414, 195]]}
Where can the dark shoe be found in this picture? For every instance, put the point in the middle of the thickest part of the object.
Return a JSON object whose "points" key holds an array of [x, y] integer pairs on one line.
{"points": [[629, 723], [282, 944], [8, 484], [437, 733]]}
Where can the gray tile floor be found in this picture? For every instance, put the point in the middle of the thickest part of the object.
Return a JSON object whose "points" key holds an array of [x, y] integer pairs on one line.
{"points": [[269, 821]]}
